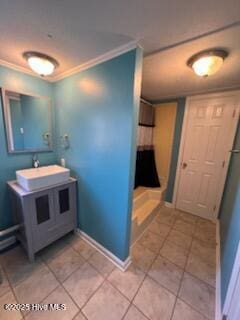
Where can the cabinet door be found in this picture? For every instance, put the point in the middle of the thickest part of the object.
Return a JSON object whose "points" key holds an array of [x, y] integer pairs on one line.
{"points": [[43, 218], [65, 204]]}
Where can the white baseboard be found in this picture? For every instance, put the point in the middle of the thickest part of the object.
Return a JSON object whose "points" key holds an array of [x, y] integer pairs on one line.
{"points": [[7, 242], [169, 204], [218, 307], [122, 265]]}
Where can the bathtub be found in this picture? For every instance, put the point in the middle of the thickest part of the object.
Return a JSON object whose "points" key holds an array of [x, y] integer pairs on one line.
{"points": [[145, 207]]}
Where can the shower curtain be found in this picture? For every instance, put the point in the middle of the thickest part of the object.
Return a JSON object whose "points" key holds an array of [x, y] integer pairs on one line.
{"points": [[146, 172]]}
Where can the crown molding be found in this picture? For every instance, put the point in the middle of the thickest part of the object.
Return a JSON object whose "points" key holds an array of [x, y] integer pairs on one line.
{"points": [[93, 62], [100, 59], [194, 93], [21, 69]]}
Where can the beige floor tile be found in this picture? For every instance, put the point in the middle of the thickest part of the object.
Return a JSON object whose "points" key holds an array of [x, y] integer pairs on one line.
{"points": [[206, 251], [58, 296], [180, 239], [198, 294], [201, 269], [82, 247], [53, 250], [36, 287], [4, 284], [168, 211], [18, 267], [142, 257], [187, 217], [134, 314], [127, 282], [65, 263], [174, 253], [151, 241], [206, 231], [159, 228], [8, 298], [166, 274], [184, 227], [80, 316], [83, 283], [205, 235], [101, 263], [106, 304], [154, 301], [166, 218], [184, 312], [206, 224], [70, 237]]}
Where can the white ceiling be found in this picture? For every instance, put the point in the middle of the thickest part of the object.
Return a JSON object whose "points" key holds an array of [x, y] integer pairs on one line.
{"points": [[166, 75], [83, 30]]}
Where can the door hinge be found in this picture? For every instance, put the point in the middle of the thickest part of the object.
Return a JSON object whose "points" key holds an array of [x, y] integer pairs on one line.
{"points": [[223, 164], [214, 208], [234, 113]]}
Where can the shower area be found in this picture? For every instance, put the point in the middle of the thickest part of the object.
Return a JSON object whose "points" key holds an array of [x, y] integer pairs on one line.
{"points": [[149, 190]]}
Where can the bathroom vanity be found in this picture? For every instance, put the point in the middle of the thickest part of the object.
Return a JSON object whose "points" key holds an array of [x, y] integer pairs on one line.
{"points": [[44, 215]]}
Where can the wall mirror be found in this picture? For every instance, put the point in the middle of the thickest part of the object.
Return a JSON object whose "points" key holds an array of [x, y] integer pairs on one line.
{"points": [[28, 122]]}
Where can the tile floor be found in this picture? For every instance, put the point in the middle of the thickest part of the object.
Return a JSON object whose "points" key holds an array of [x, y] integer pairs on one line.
{"points": [[172, 276]]}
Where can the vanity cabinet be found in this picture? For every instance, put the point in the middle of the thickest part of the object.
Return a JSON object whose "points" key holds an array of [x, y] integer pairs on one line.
{"points": [[44, 215]]}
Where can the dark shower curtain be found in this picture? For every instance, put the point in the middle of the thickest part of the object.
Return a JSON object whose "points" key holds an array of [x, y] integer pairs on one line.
{"points": [[146, 172]]}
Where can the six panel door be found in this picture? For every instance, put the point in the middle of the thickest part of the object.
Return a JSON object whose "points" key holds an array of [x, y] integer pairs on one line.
{"points": [[208, 138]]}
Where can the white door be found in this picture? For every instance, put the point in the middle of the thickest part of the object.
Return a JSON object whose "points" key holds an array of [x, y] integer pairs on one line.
{"points": [[210, 127]]}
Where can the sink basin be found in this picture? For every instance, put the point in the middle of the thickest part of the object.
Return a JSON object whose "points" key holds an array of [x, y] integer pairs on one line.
{"points": [[37, 178]]}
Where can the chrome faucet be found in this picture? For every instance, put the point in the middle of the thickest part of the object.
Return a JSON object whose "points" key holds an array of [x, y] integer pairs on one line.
{"points": [[35, 161]]}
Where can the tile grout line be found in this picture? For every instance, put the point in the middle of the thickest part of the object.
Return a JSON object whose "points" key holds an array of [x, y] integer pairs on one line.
{"points": [[61, 281], [11, 289], [60, 285], [147, 275], [185, 271], [105, 278], [181, 281], [41, 255], [182, 268]]}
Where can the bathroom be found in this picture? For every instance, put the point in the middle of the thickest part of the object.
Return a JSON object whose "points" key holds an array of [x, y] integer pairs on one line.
{"points": [[102, 216]]}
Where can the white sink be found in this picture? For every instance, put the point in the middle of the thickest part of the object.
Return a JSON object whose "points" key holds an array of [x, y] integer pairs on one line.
{"points": [[37, 178]]}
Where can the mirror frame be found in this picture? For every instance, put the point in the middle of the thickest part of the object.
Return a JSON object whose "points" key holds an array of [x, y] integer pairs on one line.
{"points": [[7, 119]]}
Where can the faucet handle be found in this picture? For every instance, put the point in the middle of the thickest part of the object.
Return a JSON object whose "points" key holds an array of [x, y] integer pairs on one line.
{"points": [[35, 161]]}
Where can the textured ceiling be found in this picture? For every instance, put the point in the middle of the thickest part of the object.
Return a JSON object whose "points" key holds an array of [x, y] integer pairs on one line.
{"points": [[165, 74], [83, 30]]}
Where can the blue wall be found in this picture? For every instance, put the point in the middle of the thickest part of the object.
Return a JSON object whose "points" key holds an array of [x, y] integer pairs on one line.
{"points": [[96, 109], [230, 219], [17, 81]]}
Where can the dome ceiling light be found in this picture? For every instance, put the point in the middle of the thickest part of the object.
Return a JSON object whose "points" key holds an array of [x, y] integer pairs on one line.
{"points": [[208, 62], [41, 63]]}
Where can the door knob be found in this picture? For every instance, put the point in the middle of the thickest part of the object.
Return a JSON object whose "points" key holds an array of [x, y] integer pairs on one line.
{"points": [[234, 151], [184, 165]]}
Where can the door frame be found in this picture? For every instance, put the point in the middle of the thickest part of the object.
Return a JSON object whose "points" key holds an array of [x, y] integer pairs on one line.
{"points": [[189, 99]]}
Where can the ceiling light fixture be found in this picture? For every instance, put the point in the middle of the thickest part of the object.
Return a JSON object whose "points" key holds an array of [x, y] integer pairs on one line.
{"points": [[41, 63], [208, 62]]}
